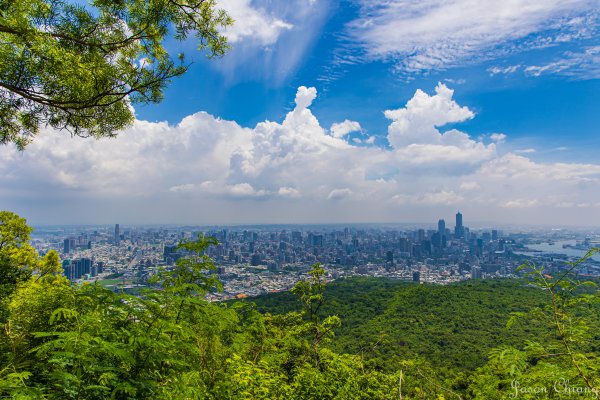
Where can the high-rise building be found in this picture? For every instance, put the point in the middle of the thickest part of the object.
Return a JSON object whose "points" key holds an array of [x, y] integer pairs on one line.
{"points": [[68, 245], [389, 257], [117, 234], [84, 266], [441, 228], [459, 230], [426, 247], [436, 240]]}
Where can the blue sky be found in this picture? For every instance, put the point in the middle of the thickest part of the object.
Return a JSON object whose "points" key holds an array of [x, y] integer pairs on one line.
{"points": [[556, 107], [350, 111]]}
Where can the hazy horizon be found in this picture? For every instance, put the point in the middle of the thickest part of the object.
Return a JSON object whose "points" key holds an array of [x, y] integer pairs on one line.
{"points": [[477, 225]]}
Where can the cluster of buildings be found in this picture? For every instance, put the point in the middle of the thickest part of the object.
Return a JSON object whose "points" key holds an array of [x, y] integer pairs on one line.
{"points": [[260, 259]]}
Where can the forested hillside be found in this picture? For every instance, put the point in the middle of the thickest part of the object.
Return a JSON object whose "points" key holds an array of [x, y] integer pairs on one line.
{"points": [[451, 326]]}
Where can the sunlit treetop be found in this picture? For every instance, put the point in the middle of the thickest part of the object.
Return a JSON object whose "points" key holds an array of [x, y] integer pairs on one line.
{"points": [[79, 67]]}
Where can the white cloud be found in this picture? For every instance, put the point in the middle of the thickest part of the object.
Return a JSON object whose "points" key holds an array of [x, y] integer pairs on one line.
{"points": [[513, 167], [304, 97], [341, 129], [251, 23], [207, 169], [437, 34], [498, 137], [417, 122], [417, 141], [455, 81], [511, 69], [470, 154], [269, 39], [584, 64], [525, 151], [238, 190]]}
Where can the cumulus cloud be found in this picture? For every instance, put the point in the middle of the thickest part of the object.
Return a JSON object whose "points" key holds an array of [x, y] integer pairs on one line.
{"points": [[219, 171], [304, 97], [437, 34], [417, 140], [341, 129], [417, 122]]}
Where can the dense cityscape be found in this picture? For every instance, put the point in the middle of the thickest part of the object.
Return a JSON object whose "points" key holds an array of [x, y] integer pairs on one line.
{"points": [[253, 260]]}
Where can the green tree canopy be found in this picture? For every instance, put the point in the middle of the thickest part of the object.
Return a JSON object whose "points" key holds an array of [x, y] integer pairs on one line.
{"points": [[17, 257], [79, 67]]}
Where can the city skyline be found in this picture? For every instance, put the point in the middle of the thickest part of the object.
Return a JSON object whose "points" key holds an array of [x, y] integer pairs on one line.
{"points": [[275, 257], [348, 112]]}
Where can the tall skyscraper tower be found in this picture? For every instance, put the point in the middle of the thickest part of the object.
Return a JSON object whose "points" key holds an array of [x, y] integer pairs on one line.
{"points": [[442, 228], [117, 234], [459, 230]]}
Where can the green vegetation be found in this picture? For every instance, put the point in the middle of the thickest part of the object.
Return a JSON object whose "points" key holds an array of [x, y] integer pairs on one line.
{"points": [[79, 68], [453, 326], [354, 339]]}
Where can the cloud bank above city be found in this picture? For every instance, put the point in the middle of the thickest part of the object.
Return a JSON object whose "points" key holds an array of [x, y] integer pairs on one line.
{"points": [[207, 170]]}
